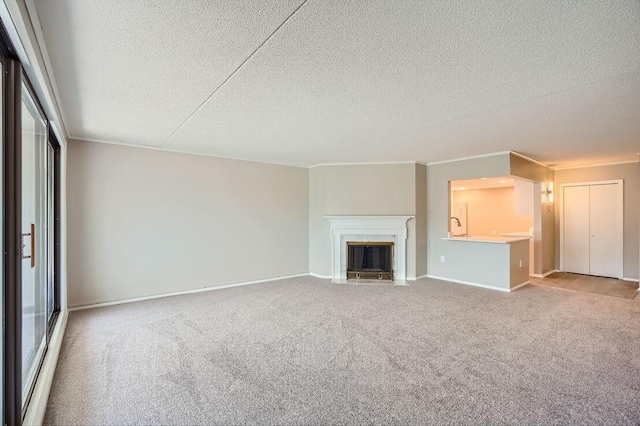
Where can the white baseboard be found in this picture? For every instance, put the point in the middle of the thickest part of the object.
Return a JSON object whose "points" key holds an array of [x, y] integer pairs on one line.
{"points": [[179, 293], [40, 396], [324, 277], [635, 280], [545, 274], [422, 276], [519, 286], [435, 277]]}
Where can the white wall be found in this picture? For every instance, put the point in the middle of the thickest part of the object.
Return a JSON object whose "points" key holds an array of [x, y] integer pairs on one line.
{"points": [[380, 189], [146, 222]]}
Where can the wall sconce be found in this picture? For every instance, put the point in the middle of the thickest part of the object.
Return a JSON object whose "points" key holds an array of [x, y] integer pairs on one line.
{"points": [[548, 195]]}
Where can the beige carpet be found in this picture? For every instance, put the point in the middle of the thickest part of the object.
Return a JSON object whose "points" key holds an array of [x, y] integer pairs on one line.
{"points": [[304, 351]]}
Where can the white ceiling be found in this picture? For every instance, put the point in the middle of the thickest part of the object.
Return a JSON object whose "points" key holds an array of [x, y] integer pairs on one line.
{"points": [[333, 81]]}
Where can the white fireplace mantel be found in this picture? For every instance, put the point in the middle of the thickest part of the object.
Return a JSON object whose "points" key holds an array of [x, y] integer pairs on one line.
{"points": [[368, 228]]}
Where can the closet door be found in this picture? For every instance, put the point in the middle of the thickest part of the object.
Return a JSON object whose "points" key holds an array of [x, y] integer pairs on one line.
{"points": [[576, 229], [603, 223]]}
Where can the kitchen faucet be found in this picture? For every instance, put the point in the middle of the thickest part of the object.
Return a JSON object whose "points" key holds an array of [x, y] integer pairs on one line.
{"points": [[457, 221]]}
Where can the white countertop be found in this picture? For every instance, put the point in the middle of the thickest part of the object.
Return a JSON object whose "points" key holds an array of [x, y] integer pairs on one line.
{"points": [[518, 234], [489, 239]]}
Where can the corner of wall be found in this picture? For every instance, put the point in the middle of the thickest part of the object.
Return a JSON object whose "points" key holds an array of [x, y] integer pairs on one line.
{"points": [[421, 219]]}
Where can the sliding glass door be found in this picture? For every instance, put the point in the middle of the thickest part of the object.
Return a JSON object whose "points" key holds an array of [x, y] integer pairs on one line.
{"points": [[35, 240], [30, 203], [2, 258]]}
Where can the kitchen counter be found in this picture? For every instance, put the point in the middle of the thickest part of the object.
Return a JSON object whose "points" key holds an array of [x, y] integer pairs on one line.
{"points": [[490, 239], [500, 263], [519, 234]]}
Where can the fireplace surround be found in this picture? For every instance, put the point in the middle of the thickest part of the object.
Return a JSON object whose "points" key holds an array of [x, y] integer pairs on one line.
{"points": [[375, 229]]}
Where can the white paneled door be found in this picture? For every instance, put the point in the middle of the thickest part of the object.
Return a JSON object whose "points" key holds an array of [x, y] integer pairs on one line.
{"points": [[592, 229], [576, 229], [603, 246]]}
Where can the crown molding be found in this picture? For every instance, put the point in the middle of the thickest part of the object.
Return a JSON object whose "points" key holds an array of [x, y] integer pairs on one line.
{"points": [[178, 151], [586, 166], [471, 157], [524, 157], [371, 163]]}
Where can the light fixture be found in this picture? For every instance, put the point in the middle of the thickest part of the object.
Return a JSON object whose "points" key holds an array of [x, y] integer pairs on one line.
{"points": [[548, 195]]}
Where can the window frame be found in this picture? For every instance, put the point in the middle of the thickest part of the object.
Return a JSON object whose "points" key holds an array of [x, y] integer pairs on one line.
{"points": [[13, 77]]}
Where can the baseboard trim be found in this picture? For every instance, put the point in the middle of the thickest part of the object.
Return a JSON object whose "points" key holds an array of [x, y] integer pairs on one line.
{"points": [[546, 274], [38, 403], [180, 293], [519, 286], [422, 276], [435, 277], [324, 277], [635, 280]]}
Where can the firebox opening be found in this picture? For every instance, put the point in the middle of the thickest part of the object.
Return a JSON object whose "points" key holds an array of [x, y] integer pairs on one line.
{"points": [[370, 260]]}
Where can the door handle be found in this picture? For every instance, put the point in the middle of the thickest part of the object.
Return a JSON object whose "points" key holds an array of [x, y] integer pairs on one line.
{"points": [[32, 255]]}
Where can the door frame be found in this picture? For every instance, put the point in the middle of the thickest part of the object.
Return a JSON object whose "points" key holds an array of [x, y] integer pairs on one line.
{"points": [[620, 219]]}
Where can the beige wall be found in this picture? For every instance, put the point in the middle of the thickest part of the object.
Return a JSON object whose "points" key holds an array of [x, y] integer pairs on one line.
{"points": [[146, 222], [518, 263], [380, 189], [491, 211], [472, 262], [421, 220], [543, 216], [630, 173]]}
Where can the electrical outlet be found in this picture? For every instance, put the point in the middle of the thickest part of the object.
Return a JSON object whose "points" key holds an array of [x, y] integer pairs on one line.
{"points": [[442, 259], [494, 232], [521, 263]]}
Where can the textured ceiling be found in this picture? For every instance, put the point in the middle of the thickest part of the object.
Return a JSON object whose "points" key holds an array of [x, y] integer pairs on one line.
{"points": [[320, 81]]}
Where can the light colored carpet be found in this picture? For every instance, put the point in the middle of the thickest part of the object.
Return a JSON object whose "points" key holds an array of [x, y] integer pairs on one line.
{"points": [[304, 351]]}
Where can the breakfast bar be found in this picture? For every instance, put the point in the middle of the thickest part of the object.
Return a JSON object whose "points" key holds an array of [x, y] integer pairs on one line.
{"points": [[496, 262]]}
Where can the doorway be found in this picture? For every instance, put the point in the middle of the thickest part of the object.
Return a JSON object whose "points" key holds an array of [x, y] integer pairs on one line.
{"points": [[591, 228]]}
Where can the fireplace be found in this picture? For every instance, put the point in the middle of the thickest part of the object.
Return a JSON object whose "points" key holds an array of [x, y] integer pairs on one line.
{"points": [[369, 230], [369, 260]]}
